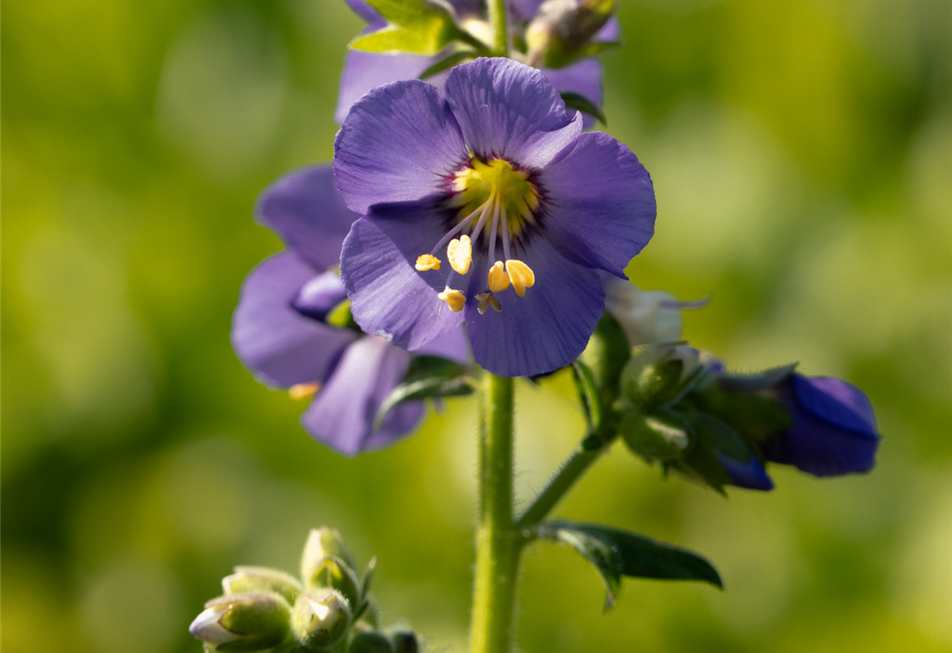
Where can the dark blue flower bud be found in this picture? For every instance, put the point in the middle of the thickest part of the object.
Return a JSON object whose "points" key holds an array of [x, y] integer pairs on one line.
{"points": [[834, 428]]}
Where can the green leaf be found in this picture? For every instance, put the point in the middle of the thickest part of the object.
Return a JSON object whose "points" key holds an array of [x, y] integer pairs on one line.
{"points": [[429, 376], [583, 104], [588, 393], [448, 62], [715, 434], [615, 553], [415, 27]]}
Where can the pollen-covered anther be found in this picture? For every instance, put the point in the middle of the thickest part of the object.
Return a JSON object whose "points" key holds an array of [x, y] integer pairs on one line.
{"points": [[303, 391], [460, 254], [454, 298], [427, 262], [521, 275], [498, 278], [487, 299]]}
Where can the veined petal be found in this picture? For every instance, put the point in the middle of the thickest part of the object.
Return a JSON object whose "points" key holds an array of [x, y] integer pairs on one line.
{"points": [[306, 210], [279, 345], [505, 108], [836, 401], [398, 143], [602, 204], [389, 297], [343, 412], [366, 70], [544, 330], [453, 345]]}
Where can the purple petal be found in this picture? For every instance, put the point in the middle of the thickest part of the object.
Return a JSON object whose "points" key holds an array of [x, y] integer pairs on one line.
{"points": [[306, 210], [505, 108], [343, 412], [543, 331], [750, 475], [601, 208], [363, 9], [524, 10], [835, 401], [389, 297], [319, 296], [279, 345], [833, 432], [398, 143], [453, 345], [610, 31], [584, 78], [365, 70]]}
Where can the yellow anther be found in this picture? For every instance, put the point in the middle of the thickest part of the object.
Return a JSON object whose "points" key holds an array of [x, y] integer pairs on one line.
{"points": [[460, 253], [521, 275], [487, 299], [303, 390], [454, 298], [427, 262], [498, 279]]}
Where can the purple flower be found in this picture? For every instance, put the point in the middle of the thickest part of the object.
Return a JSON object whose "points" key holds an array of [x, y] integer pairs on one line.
{"points": [[493, 186], [366, 70], [750, 475], [280, 329], [834, 429]]}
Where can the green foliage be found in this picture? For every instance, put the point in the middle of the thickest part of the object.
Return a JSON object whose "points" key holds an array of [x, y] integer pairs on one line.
{"points": [[583, 104], [616, 553], [429, 377], [415, 27]]}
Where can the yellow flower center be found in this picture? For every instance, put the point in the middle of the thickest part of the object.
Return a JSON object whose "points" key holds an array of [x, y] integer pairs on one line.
{"points": [[496, 180]]}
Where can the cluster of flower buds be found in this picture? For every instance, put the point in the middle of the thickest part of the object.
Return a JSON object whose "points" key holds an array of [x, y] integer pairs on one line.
{"points": [[689, 414], [327, 610]]}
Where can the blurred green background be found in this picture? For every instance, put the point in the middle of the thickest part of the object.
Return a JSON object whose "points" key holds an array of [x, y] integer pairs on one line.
{"points": [[802, 157]]}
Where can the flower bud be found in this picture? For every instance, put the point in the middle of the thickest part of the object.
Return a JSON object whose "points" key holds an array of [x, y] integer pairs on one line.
{"points": [[647, 317], [663, 436], [656, 375], [322, 543], [242, 623], [332, 572], [320, 618], [262, 579], [370, 642], [561, 29]]}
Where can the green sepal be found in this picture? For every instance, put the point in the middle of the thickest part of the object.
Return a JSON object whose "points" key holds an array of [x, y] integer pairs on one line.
{"points": [[755, 381], [322, 543], [664, 435], [717, 435], [588, 394], [448, 62], [262, 579], [752, 415], [616, 553], [583, 104], [653, 377], [429, 376], [702, 464], [606, 354], [334, 573], [261, 619], [415, 27]]}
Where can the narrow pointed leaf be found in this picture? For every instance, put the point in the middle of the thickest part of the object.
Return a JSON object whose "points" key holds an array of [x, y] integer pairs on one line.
{"points": [[638, 556]]}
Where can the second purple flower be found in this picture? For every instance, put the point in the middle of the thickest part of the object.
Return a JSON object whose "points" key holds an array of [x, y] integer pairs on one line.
{"points": [[488, 206]]}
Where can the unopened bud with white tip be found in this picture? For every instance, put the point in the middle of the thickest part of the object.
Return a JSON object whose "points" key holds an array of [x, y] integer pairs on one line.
{"points": [[242, 623], [321, 618]]}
